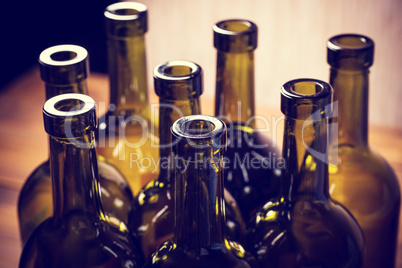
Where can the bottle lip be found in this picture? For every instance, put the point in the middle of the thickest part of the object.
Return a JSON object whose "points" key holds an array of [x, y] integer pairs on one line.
{"points": [[69, 115], [214, 127], [50, 106], [178, 79], [305, 97], [350, 51], [138, 9], [63, 55], [64, 64], [350, 41], [235, 35], [126, 19]]}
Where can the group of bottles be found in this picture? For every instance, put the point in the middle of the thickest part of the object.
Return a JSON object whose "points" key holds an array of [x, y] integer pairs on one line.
{"points": [[191, 190]]}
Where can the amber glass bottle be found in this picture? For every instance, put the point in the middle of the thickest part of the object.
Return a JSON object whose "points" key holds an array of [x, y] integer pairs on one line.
{"points": [[124, 134], [304, 227], [251, 171], [64, 69], [199, 234], [360, 178], [78, 234], [178, 85]]}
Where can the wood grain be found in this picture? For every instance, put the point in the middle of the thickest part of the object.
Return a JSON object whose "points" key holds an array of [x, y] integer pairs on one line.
{"points": [[23, 146]]}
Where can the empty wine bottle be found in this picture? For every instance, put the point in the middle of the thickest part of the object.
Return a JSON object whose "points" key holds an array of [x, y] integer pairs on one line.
{"points": [[78, 234], [252, 170], [303, 227], [125, 132], [199, 234], [64, 69], [179, 86], [360, 178]]}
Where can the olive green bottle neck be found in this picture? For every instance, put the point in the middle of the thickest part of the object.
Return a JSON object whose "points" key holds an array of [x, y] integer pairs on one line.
{"points": [[128, 75], [305, 154], [54, 89], [351, 97], [169, 112], [234, 101], [74, 172], [199, 203]]}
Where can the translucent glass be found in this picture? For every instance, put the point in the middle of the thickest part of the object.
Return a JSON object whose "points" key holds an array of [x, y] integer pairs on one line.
{"points": [[178, 85], [64, 69], [252, 167], [79, 234], [199, 236], [125, 133], [360, 178], [304, 227]]}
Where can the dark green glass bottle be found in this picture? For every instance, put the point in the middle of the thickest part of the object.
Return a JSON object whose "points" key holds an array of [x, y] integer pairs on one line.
{"points": [[79, 234], [64, 69], [179, 86], [125, 132], [360, 178], [199, 143], [303, 227], [252, 169]]}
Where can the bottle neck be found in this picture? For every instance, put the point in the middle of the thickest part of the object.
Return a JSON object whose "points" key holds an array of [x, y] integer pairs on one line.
{"points": [[305, 154], [128, 76], [199, 203], [53, 90], [235, 87], [351, 97], [169, 112], [74, 174]]}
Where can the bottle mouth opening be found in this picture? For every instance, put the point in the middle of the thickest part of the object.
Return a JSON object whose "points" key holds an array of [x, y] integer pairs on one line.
{"points": [[233, 26], [195, 127], [177, 70], [69, 105], [63, 55], [306, 88], [198, 127], [125, 11]]}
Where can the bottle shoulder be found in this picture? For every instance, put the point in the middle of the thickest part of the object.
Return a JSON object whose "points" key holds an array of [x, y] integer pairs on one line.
{"points": [[169, 254], [364, 171], [309, 232], [77, 240]]}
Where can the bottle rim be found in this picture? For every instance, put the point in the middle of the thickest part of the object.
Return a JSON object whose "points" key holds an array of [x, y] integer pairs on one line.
{"points": [[69, 115], [306, 98], [137, 11], [63, 55], [356, 42], [52, 108], [182, 127], [350, 51], [179, 76], [235, 35]]}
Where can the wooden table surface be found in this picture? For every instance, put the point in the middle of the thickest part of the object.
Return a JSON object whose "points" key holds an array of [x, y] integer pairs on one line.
{"points": [[23, 146]]}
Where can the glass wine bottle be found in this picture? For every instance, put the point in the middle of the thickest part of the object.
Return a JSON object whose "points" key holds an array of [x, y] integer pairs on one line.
{"points": [[125, 132], [78, 234], [304, 227], [251, 172], [198, 145], [179, 86], [64, 69], [360, 178]]}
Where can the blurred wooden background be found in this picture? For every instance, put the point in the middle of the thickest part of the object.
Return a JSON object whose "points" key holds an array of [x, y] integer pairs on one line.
{"points": [[292, 44]]}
